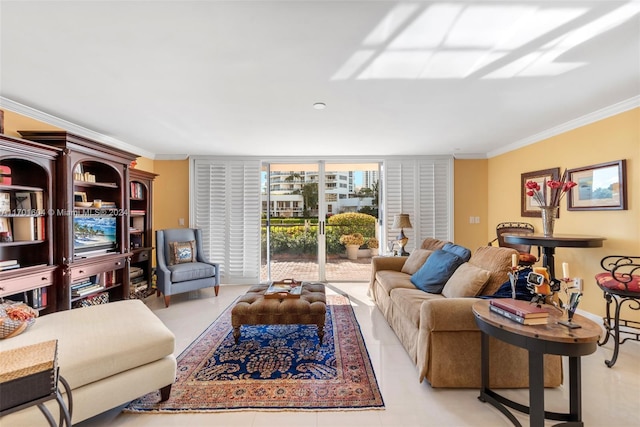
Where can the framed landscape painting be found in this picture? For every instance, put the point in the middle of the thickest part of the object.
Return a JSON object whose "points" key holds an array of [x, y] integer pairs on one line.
{"points": [[529, 207], [600, 187]]}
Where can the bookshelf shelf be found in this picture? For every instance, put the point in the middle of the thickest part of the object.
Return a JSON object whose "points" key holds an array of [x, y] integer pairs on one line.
{"points": [[26, 195], [140, 232]]}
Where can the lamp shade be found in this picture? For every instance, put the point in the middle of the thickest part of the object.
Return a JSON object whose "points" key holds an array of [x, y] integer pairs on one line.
{"points": [[401, 221]]}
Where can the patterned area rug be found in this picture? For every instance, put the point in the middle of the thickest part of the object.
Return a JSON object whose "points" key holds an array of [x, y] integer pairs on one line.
{"points": [[273, 368]]}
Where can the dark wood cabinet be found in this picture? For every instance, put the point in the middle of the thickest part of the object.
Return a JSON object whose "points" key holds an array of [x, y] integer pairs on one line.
{"points": [[92, 229], [140, 232], [27, 218]]}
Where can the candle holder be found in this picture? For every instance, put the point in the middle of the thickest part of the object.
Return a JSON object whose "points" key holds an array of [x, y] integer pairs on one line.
{"points": [[513, 278], [573, 299]]}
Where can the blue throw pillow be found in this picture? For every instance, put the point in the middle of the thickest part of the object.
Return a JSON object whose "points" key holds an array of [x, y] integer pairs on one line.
{"points": [[435, 272], [461, 251]]}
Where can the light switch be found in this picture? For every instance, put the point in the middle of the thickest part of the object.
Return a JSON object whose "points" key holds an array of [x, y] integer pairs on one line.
{"points": [[180, 221]]}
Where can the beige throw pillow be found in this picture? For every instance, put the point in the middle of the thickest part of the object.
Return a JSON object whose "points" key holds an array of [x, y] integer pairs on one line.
{"points": [[415, 260], [467, 281]]}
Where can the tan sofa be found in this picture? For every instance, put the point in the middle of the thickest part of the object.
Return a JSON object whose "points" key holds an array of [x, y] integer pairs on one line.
{"points": [[109, 354], [440, 332]]}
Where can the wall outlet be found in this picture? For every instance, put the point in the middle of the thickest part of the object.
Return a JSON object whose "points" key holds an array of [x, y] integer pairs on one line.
{"points": [[180, 221], [577, 282]]}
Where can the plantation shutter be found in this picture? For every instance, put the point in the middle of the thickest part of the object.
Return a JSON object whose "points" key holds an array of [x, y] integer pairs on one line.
{"points": [[422, 188], [226, 206]]}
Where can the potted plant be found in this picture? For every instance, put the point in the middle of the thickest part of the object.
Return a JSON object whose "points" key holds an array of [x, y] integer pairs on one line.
{"points": [[373, 245], [353, 243]]}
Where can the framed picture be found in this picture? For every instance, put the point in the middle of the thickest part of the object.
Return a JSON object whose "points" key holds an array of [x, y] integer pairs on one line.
{"points": [[600, 187], [79, 196], [529, 207]]}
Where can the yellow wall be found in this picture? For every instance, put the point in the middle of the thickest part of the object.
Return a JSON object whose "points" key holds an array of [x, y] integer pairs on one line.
{"points": [[470, 200], [171, 198], [614, 138], [14, 122]]}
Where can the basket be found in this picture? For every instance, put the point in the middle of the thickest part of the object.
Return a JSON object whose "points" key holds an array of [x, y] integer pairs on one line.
{"points": [[15, 318], [97, 299], [28, 373]]}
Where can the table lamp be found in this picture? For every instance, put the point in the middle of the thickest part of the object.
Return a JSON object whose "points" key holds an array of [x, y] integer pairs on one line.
{"points": [[402, 221]]}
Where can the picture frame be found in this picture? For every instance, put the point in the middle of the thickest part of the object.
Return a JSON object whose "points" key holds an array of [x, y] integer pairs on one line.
{"points": [[79, 196], [599, 187], [528, 206]]}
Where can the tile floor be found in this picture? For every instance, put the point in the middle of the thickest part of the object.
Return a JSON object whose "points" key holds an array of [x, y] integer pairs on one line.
{"points": [[610, 396]]}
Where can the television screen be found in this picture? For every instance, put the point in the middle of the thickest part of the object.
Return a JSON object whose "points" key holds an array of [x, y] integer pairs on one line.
{"points": [[93, 233]]}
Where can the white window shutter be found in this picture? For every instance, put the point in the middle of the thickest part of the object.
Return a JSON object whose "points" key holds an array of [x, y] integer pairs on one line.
{"points": [[226, 206], [422, 188]]}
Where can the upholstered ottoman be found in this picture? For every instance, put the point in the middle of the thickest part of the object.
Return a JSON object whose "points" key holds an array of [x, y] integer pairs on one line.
{"points": [[110, 354], [254, 309]]}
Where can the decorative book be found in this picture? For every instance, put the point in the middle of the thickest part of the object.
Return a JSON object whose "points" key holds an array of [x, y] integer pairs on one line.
{"points": [[518, 319], [520, 308], [284, 289]]}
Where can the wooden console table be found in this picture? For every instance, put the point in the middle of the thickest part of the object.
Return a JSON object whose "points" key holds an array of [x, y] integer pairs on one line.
{"points": [[550, 243], [538, 340]]}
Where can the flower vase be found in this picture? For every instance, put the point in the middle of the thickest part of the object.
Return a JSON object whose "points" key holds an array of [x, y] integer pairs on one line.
{"points": [[549, 214], [352, 251]]}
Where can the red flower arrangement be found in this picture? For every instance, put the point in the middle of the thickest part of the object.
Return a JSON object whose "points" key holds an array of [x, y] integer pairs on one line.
{"points": [[558, 190]]}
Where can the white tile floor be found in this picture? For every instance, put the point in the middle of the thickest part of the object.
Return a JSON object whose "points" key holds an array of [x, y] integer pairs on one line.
{"points": [[610, 396]]}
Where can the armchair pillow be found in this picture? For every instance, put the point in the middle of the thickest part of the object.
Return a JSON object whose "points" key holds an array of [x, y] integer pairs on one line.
{"points": [[435, 272], [467, 281], [182, 252], [415, 260]]}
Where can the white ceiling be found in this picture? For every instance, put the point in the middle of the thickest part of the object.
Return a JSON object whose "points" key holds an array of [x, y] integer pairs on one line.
{"points": [[168, 78]]}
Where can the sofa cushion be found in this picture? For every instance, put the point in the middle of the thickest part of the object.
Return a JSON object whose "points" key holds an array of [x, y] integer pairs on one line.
{"points": [[415, 260], [390, 280], [432, 244], [467, 281], [496, 260], [435, 272], [461, 251], [409, 301], [191, 271]]}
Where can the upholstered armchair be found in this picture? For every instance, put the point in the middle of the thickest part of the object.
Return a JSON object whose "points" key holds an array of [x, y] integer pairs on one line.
{"points": [[181, 265]]}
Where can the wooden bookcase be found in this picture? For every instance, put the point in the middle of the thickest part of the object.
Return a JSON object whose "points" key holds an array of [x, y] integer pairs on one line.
{"points": [[140, 232], [92, 233], [27, 271]]}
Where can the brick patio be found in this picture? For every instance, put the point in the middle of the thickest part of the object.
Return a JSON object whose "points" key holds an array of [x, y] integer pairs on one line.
{"points": [[339, 269]]}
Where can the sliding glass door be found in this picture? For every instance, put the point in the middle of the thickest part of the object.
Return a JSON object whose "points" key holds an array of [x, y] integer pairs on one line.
{"points": [[306, 208]]}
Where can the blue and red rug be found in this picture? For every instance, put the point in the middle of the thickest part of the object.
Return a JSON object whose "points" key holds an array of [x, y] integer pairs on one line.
{"points": [[273, 368]]}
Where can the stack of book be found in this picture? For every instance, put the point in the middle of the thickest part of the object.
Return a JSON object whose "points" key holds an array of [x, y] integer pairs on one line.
{"points": [[85, 288], [523, 312], [9, 264], [138, 284]]}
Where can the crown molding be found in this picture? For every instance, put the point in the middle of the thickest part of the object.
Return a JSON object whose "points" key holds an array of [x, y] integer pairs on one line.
{"points": [[601, 114], [41, 116]]}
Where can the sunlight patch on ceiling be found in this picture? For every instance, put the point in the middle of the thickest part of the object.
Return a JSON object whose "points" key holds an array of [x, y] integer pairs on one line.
{"points": [[453, 40]]}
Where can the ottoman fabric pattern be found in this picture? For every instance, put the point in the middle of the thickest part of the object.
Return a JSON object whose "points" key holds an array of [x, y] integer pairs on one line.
{"points": [[254, 309]]}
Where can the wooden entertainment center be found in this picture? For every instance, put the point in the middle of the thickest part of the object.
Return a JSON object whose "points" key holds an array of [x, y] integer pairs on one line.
{"points": [[75, 242]]}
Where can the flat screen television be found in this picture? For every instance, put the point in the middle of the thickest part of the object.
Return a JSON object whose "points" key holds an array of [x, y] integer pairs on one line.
{"points": [[93, 233]]}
